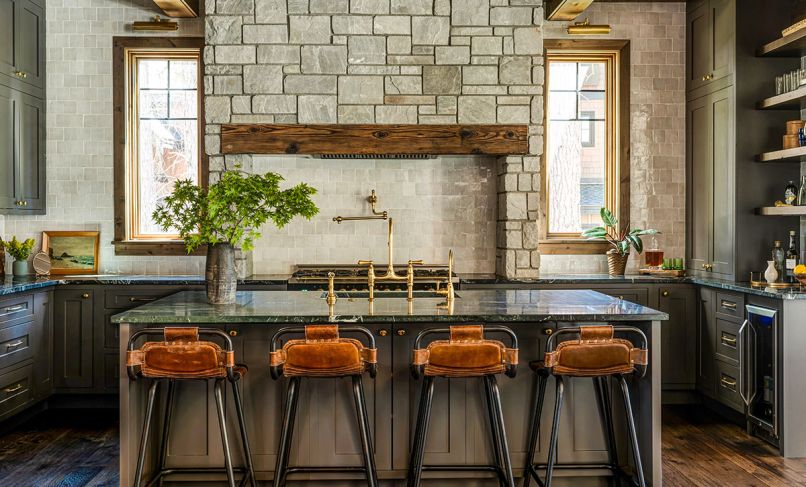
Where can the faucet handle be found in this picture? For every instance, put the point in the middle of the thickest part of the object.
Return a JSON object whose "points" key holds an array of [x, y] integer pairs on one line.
{"points": [[364, 262], [416, 262]]}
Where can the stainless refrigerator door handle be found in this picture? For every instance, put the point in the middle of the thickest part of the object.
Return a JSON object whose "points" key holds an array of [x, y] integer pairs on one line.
{"points": [[742, 380], [754, 352]]}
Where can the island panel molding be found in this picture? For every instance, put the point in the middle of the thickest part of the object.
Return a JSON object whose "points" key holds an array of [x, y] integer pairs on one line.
{"points": [[374, 139]]}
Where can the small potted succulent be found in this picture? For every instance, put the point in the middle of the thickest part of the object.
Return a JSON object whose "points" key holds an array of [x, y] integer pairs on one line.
{"points": [[20, 252], [621, 240], [229, 214]]}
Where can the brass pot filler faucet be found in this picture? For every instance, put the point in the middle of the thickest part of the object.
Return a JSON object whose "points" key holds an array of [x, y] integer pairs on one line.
{"points": [[390, 274]]}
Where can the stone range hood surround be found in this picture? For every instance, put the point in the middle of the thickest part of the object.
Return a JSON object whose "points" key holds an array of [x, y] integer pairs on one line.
{"points": [[376, 140]]}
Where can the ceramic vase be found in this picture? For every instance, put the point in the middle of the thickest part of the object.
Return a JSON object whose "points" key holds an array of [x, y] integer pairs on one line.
{"points": [[220, 276], [20, 268], [771, 274]]}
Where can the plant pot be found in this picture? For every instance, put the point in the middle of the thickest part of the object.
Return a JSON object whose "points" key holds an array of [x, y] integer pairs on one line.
{"points": [[20, 268], [616, 263], [220, 276]]}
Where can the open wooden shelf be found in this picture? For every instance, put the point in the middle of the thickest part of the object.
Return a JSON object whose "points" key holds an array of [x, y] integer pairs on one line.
{"points": [[782, 155], [782, 211], [785, 101], [793, 45]]}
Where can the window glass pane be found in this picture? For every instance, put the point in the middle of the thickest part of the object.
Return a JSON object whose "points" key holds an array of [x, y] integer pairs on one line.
{"points": [[167, 135], [152, 73], [563, 76], [576, 159]]}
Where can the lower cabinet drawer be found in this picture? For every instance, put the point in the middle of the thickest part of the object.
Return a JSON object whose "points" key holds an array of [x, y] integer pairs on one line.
{"points": [[727, 341], [15, 390], [727, 386], [16, 309], [16, 344]]}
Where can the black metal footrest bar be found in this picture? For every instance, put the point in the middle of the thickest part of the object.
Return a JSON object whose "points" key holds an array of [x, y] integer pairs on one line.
{"points": [[291, 470], [197, 470]]}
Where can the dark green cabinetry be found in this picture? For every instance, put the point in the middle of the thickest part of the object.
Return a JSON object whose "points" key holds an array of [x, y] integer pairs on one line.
{"points": [[710, 42], [73, 345], [22, 107]]}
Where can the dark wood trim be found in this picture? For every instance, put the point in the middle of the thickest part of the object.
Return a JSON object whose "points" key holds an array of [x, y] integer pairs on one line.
{"points": [[179, 8], [144, 247], [374, 139], [793, 45], [785, 101], [119, 46], [579, 246]]}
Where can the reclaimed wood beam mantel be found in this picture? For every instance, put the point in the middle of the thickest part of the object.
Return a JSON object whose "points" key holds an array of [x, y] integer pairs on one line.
{"points": [[373, 139]]}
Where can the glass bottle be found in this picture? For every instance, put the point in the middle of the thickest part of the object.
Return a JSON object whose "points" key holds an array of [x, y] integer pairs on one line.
{"points": [[802, 192], [653, 255], [792, 254], [791, 193], [779, 258]]}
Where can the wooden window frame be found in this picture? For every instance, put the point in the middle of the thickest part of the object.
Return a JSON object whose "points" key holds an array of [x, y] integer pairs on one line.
{"points": [[618, 173], [123, 242]]}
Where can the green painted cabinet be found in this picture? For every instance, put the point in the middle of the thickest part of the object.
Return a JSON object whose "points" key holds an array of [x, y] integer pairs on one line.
{"points": [[710, 43], [22, 45]]}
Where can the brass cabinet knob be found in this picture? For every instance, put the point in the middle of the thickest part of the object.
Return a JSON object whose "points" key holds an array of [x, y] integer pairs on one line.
{"points": [[664, 293], [383, 333], [85, 295], [20, 74], [548, 331], [233, 333], [24, 203], [401, 332]]}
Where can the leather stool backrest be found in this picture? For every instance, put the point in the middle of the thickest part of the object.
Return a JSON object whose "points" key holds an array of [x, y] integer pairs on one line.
{"points": [[466, 353], [596, 352], [181, 355], [322, 353]]}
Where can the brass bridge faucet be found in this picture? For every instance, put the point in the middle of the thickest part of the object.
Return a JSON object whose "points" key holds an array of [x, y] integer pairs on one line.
{"points": [[390, 274]]}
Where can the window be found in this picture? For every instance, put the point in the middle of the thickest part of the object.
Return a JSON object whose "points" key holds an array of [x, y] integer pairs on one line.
{"points": [[158, 126], [582, 159]]}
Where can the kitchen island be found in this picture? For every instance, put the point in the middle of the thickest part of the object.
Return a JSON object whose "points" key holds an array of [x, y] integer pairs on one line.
{"points": [[325, 434]]}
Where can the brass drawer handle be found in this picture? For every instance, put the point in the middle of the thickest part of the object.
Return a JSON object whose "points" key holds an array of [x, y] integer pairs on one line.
{"points": [[16, 388], [141, 300], [14, 309], [728, 305], [14, 345], [728, 383], [727, 340], [20, 74]]}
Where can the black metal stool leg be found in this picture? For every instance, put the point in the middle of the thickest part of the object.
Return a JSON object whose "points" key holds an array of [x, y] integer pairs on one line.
{"points": [[138, 473], [289, 416], [502, 431], [420, 433], [166, 429], [600, 387], [625, 391], [534, 427], [250, 470], [555, 430], [495, 434], [222, 423], [366, 435]]}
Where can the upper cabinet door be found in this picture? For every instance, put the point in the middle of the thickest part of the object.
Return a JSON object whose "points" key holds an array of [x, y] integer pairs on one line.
{"points": [[7, 37], [721, 107], [8, 145], [700, 184], [29, 43], [710, 42], [31, 154]]}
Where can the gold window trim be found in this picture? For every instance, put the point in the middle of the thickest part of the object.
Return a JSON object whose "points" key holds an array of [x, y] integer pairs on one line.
{"points": [[133, 130], [612, 154]]}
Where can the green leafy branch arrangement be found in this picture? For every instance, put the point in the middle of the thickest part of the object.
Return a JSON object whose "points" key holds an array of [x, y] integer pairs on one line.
{"points": [[621, 240], [233, 209], [18, 250]]}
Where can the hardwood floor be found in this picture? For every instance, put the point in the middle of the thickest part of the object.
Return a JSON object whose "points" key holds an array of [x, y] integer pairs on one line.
{"points": [[67, 448], [62, 448]]}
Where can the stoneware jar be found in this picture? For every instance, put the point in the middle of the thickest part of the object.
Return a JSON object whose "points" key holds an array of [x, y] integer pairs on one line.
{"points": [[20, 268]]}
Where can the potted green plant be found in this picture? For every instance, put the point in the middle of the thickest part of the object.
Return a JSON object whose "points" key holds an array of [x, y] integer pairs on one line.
{"points": [[229, 214], [20, 252], [621, 240]]}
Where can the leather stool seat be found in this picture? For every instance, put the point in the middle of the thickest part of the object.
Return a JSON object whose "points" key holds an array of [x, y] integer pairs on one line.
{"points": [[465, 354], [322, 353]]}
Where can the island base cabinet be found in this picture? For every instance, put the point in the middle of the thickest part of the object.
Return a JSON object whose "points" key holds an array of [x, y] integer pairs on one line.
{"points": [[326, 429]]}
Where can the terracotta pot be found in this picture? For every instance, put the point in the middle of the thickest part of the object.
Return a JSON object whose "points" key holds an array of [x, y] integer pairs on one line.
{"points": [[616, 263], [220, 276]]}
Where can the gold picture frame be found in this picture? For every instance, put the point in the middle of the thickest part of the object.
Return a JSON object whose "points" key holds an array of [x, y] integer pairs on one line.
{"points": [[69, 251]]}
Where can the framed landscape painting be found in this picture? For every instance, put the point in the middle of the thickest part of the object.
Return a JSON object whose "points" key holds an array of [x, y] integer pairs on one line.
{"points": [[72, 252]]}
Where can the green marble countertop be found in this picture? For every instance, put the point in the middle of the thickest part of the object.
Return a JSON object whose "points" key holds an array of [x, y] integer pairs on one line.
{"points": [[503, 306]]}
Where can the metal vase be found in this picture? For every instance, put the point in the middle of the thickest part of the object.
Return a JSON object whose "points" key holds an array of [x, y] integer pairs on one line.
{"points": [[20, 268], [220, 275]]}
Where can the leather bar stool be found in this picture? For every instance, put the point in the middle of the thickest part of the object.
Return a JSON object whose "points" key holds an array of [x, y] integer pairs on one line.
{"points": [[466, 354], [321, 353], [598, 355], [183, 356]]}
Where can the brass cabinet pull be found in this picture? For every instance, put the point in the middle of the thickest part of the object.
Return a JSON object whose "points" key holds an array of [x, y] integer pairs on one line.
{"points": [[85, 295], [14, 345], [664, 293], [727, 340], [13, 389], [401, 332], [728, 305], [233, 333], [548, 331], [141, 300], [24, 203], [383, 333], [728, 383], [14, 309], [20, 74]]}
